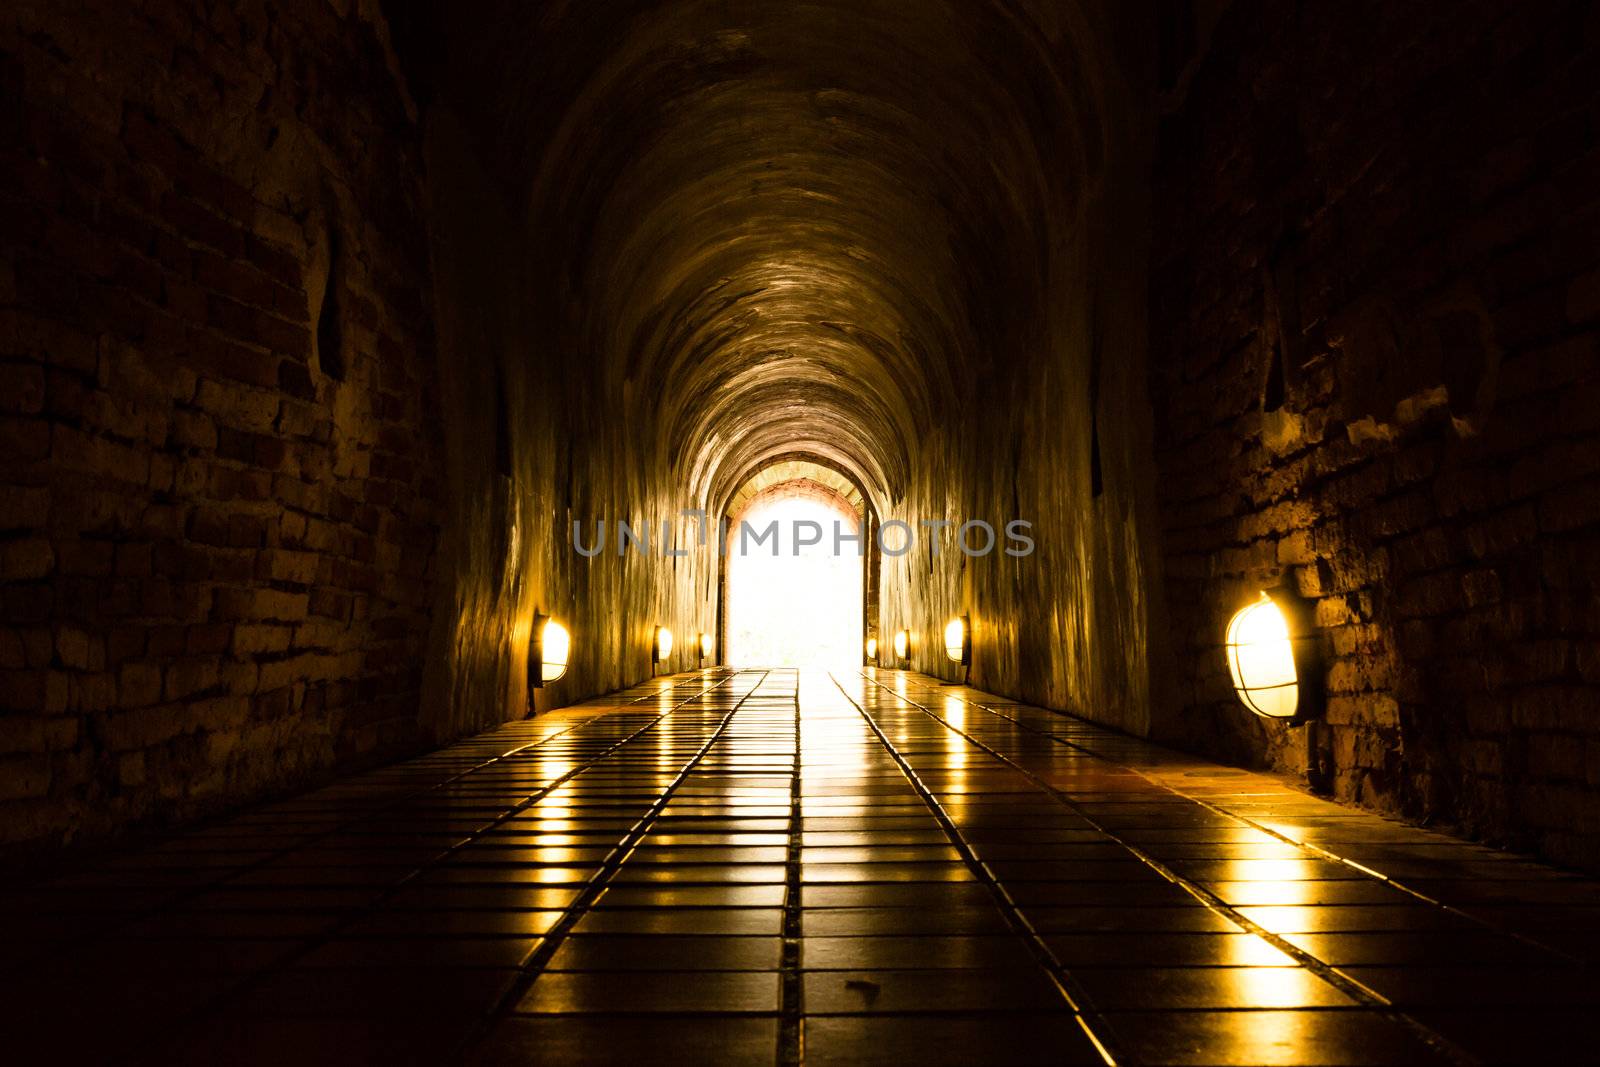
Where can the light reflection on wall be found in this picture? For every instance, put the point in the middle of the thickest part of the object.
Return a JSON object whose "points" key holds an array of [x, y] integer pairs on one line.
{"points": [[794, 610]]}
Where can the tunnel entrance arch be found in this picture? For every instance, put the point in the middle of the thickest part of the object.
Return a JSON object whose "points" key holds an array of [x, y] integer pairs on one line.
{"points": [[799, 577]]}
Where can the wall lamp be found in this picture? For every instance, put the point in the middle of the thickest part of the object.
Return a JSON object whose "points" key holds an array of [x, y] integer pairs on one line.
{"points": [[707, 644], [902, 644], [548, 651], [872, 649], [958, 641], [1275, 658], [661, 646]]}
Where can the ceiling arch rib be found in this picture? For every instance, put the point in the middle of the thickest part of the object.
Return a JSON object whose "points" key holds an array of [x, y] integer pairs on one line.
{"points": [[786, 472]]}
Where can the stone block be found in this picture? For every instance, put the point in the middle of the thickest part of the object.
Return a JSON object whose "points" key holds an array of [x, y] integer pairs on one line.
{"points": [[26, 560], [138, 684]]}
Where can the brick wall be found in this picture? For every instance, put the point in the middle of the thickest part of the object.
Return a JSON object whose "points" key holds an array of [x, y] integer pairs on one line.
{"points": [[217, 507], [1376, 308]]}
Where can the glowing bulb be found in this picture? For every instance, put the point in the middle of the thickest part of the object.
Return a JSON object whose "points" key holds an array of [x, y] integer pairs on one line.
{"points": [[902, 643], [663, 643], [552, 647], [1261, 660], [706, 644], [955, 640], [872, 648]]}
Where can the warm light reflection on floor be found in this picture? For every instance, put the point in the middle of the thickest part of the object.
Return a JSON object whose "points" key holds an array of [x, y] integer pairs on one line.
{"points": [[898, 871]]}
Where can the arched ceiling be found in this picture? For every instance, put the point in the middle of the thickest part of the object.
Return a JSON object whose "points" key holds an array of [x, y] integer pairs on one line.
{"points": [[795, 472], [786, 226]]}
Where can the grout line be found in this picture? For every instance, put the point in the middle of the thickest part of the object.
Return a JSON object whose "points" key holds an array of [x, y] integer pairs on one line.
{"points": [[1077, 1001], [214, 1004], [1327, 972], [1306, 846], [596, 886], [227, 875], [791, 1025]]}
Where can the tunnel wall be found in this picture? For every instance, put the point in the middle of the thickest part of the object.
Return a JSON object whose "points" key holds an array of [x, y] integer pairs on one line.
{"points": [[219, 504], [1055, 428], [537, 439], [1375, 307]]}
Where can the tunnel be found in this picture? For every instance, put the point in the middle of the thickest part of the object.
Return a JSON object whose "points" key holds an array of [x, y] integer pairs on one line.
{"points": [[799, 531]]}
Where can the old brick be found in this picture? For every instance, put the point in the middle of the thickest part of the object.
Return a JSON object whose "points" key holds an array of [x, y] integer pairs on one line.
{"points": [[237, 279], [24, 691], [24, 734], [241, 678], [22, 777], [22, 388], [258, 327], [203, 226], [1583, 298], [133, 560], [245, 531], [142, 727], [131, 769], [13, 653], [23, 508], [286, 565], [78, 649], [270, 452], [138, 685], [330, 604], [278, 263], [1556, 707], [74, 450], [260, 604], [278, 673], [208, 638], [24, 439], [26, 560], [1570, 507], [235, 445], [237, 406], [124, 643], [220, 358], [183, 298], [192, 429], [186, 677], [294, 378], [93, 559], [1557, 757]]}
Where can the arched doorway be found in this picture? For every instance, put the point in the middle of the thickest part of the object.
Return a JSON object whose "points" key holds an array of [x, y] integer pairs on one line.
{"points": [[795, 578]]}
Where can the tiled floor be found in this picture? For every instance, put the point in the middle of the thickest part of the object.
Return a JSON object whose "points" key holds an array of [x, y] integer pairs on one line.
{"points": [[760, 867]]}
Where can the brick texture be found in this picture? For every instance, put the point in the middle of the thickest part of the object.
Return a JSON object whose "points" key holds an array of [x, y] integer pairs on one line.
{"points": [[215, 555], [1376, 347]]}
